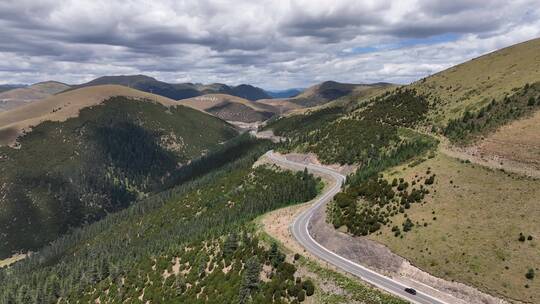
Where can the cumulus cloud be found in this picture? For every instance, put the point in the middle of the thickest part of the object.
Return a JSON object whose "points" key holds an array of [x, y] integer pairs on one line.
{"points": [[273, 44]]}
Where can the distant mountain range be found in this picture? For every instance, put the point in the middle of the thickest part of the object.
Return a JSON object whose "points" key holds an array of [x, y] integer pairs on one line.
{"points": [[7, 87], [285, 93], [323, 93], [242, 103], [178, 91]]}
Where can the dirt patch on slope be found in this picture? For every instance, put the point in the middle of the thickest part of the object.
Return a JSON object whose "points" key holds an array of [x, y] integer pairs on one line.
{"points": [[13, 259], [514, 148], [282, 105]]}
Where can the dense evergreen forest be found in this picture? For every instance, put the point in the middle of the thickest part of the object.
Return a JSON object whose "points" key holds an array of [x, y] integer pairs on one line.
{"points": [[346, 136], [69, 173], [188, 244]]}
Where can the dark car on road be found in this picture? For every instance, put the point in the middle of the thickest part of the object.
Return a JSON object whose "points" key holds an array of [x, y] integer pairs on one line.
{"points": [[410, 290]]}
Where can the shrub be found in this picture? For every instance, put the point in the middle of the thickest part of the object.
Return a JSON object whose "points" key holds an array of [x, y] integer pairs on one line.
{"points": [[530, 274], [309, 287], [521, 237], [430, 180], [407, 225], [531, 102], [301, 296]]}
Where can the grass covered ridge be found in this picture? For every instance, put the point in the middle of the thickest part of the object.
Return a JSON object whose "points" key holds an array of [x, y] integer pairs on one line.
{"points": [[474, 84]]}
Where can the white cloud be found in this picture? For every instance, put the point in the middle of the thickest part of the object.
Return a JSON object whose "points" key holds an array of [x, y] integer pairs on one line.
{"points": [[274, 44]]}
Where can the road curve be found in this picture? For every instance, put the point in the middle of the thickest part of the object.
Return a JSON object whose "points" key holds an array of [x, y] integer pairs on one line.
{"points": [[300, 231]]}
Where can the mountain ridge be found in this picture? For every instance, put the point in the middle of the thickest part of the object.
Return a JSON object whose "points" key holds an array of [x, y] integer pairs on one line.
{"points": [[17, 97], [178, 91]]}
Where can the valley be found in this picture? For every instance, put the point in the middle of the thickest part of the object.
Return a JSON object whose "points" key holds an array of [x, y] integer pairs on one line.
{"points": [[276, 153]]}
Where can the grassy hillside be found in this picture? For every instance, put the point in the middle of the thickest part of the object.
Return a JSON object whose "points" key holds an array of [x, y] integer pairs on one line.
{"points": [[68, 173], [457, 220], [189, 244], [238, 112], [523, 102], [474, 84], [284, 106], [468, 227], [515, 145]]}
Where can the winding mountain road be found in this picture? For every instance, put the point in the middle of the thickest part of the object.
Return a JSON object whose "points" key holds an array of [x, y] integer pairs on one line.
{"points": [[300, 231]]}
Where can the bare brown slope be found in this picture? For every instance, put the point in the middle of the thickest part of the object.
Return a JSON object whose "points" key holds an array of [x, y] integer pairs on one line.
{"points": [[237, 112], [282, 105], [18, 97], [63, 106], [230, 107]]}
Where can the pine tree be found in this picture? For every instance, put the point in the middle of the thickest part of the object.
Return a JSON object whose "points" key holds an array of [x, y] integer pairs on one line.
{"points": [[179, 285], [275, 256], [250, 279], [230, 245]]}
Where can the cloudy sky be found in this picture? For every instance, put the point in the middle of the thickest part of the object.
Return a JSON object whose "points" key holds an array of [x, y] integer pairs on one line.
{"points": [[273, 44]]}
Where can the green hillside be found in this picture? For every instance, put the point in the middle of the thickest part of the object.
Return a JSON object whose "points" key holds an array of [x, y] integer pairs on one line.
{"points": [[69, 173], [189, 244], [357, 133]]}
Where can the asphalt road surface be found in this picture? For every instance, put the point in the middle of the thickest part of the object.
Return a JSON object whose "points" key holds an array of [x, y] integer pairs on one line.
{"points": [[299, 229]]}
